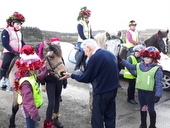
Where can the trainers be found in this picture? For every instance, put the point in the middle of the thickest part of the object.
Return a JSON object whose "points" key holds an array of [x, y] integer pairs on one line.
{"points": [[78, 72]]}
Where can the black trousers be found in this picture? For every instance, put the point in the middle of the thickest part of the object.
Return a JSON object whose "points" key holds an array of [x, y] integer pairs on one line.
{"points": [[104, 110], [131, 89], [53, 93], [7, 60]]}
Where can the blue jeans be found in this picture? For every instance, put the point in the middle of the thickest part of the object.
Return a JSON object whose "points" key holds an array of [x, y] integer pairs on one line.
{"points": [[79, 46], [30, 122], [147, 98], [104, 110]]}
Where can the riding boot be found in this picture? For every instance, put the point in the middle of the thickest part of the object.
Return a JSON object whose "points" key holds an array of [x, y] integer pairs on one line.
{"points": [[152, 119], [79, 60], [3, 78], [2, 73], [57, 123], [143, 119], [48, 124]]}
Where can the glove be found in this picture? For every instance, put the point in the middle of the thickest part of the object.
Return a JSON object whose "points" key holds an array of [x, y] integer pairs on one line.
{"points": [[36, 118], [16, 53], [65, 83], [157, 99], [119, 59]]}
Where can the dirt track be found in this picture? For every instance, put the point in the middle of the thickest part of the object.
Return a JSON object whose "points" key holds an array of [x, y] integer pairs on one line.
{"points": [[75, 112]]}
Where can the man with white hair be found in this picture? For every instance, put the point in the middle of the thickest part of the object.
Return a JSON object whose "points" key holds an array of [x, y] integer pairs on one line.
{"points": [[103, 73]]}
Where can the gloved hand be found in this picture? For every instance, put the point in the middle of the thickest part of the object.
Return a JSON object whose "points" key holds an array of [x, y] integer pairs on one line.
{"points": [[36, 118], [16, 53], [119, 59], [157, 99], [65, 83]]}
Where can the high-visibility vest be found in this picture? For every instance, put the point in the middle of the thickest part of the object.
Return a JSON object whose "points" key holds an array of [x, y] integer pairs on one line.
{"points": [[127, 74], [145, 80], [134, 37], [86, 30], [38, 98], [15, 38]]}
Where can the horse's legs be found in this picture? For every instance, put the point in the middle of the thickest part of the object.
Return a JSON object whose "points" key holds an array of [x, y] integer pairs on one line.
{"points": [[15, 107]]}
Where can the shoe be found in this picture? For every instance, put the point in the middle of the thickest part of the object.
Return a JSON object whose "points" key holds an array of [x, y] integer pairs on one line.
{"points": [[132, 101], [78, 72]]}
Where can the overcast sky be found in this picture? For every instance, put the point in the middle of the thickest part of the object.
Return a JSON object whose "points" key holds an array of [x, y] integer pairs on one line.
{"points": [[109, 15]]}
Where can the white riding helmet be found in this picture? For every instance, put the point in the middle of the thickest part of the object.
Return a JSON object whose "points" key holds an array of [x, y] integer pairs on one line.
{"points": [[139, 47]]}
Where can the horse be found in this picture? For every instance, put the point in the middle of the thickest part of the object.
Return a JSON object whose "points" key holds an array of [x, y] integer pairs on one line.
{"points": [[52, 54], [159, 40]]}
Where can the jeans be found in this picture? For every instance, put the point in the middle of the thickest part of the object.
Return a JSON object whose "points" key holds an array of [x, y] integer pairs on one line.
{"points": [[30, 122]]}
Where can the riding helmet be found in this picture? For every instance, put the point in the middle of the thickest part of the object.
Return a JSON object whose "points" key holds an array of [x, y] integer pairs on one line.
{"points": [[132, 23], [84, 12], [150, 52], [16, 17]]}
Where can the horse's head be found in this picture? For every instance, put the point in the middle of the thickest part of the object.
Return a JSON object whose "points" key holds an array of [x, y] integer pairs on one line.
{"points": [[53, 55], [162, 40], [109, 41], [113, 42]]}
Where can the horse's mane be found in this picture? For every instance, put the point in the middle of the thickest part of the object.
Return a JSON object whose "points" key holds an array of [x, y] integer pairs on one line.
{"points": [[56, 48]]}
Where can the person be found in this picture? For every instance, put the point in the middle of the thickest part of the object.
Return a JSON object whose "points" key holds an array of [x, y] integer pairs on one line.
{"points": [[12, 41], [53, 87], [132, 37], [148, 83], [130, 75], [103, 73], [26, 83], [84, 32]]}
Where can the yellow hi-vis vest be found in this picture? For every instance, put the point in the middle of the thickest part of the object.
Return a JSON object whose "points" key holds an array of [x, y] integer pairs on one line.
{"points": [[127, 74], [145, 80], [86, 30], [134, 37], [38, 98], [14, 39]]}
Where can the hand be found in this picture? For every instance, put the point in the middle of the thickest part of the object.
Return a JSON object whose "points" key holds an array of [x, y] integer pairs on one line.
{"points": [[119, 58], [65, 83], [157, 99], [66, 75], [16, 53], [43, 88], [36, 118]]}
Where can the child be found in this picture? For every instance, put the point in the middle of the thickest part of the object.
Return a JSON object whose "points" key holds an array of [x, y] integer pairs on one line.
{"points": [[30, 96], [130, 75], [148, 83], [12, 41]]}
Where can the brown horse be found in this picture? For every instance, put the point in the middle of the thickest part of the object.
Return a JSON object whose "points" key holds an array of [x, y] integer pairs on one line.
{"points": [[159, 40], [53, 61]]}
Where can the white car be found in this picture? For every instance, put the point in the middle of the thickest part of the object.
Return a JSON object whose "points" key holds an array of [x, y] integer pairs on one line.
{"points": [[165, 63]]}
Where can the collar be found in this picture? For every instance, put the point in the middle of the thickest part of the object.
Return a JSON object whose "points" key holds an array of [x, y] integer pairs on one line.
{"points": [[95, 50]]}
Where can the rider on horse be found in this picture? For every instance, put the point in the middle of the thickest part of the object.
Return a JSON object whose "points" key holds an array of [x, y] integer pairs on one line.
{"points": [[12, 41], [84, 32], [132, 38]]}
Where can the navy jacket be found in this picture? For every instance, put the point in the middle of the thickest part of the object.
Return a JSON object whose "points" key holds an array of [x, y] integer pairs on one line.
{"points": [[102, 71]]}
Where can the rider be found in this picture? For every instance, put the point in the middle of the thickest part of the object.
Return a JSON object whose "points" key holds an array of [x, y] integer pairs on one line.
{"points": [[132, 38], [12, 41], [84, 32]]}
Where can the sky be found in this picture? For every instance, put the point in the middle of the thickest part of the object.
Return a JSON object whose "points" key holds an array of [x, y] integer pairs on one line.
{"points": [[108, 15]]}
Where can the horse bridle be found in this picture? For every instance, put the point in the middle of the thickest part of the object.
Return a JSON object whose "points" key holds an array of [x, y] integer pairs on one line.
{"points": [[53, 68]]}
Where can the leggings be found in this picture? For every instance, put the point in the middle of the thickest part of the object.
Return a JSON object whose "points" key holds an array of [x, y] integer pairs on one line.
{"points": [[7, 60], [53, 93]]}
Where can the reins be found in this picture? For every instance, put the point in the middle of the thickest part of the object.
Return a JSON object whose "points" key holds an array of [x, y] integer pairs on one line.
{"points": [[53, 68]]}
